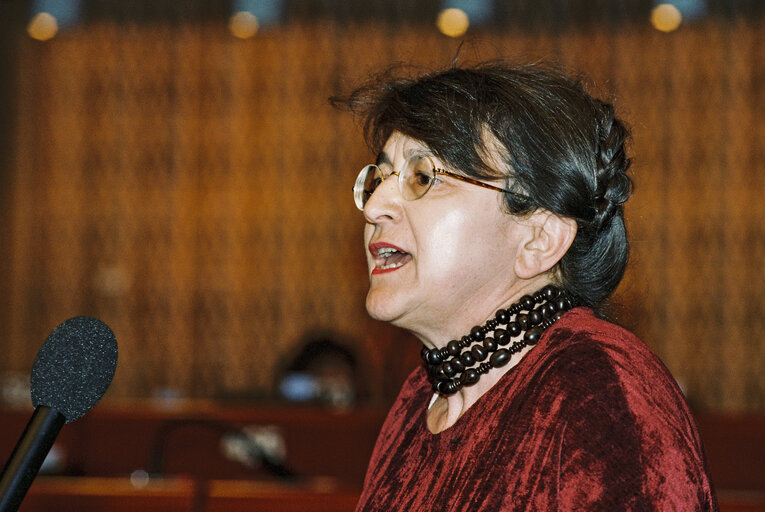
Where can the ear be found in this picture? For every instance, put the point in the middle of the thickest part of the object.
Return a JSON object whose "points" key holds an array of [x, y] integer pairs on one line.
{"points": [[548, 238]]}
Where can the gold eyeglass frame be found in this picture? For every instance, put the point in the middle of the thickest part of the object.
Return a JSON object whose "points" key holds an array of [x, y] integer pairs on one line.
{"points": [[358, 187]]}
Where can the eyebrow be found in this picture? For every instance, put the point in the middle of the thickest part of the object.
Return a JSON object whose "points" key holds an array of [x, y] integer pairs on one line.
{"points": [[383, 158]]}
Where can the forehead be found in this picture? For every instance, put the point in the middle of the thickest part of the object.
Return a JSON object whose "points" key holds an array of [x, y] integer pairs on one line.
{"points": [[402, 147]]}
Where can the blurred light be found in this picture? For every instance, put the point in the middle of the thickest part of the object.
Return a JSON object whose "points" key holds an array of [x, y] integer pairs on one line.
{"points": [[477, 11], [243, 25], [42, 26], [452, 22], [666, 17], [251, 15], [139, 478], [690, 10], [48, 16]]}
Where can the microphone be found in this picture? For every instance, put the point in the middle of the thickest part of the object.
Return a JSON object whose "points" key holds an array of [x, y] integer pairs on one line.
{"points": [[72, 371], [256, 446]]}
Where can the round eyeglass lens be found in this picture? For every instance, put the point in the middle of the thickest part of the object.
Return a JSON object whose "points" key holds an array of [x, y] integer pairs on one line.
{"points": [[417, 178], [366, 183]]}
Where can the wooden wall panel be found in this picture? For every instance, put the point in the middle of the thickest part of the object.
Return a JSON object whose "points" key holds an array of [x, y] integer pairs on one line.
{"points": [[193, 191]]}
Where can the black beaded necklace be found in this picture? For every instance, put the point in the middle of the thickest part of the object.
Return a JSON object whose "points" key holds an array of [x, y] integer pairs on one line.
{"points": [[450, 368]]}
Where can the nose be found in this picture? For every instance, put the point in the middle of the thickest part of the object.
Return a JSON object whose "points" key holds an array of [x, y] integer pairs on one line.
{"points": [[385, 201]]}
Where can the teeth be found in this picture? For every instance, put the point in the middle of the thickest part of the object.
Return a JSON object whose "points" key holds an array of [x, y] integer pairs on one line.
{"points": [[392, 265], [386, 252]]}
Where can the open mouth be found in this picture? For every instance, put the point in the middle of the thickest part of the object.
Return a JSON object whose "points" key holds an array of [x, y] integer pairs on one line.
{"points": [[388, 258]]}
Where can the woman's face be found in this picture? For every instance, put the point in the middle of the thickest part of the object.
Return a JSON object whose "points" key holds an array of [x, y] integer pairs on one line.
{"points": [[441, 263]]}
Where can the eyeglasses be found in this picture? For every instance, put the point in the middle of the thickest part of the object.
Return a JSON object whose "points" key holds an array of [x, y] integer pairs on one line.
{"points": [[414, 180]]}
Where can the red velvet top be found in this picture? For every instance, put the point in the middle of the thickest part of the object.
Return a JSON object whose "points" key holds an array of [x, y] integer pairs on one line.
{"points": [[590, 419]]}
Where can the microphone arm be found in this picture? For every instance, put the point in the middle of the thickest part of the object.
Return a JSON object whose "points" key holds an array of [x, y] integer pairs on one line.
{"points": [[28, 456]]}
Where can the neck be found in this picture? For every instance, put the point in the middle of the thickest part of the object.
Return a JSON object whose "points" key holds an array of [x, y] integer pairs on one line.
{"points": [[466, 368], [437, 334]]}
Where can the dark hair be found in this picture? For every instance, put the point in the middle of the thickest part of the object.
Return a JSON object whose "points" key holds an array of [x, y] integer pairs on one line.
{"points": [[560, 149]]}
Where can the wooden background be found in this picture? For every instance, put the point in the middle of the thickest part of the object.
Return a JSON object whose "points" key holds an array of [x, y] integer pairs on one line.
{"points": [[192, 190]]}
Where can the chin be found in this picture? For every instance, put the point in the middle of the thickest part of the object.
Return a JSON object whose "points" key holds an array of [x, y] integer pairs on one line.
{"points": [[376, 311], [381, 308]]}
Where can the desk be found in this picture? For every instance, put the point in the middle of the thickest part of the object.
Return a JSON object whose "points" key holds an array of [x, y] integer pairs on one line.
{"points": [[240, 496], [75, 494], [85, 494]]}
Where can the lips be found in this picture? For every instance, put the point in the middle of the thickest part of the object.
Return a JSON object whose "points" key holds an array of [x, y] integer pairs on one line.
{"points": [[388, 257]]}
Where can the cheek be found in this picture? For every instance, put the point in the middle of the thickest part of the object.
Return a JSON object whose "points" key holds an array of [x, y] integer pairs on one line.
{"points": [[450, 240], [464, 240]]}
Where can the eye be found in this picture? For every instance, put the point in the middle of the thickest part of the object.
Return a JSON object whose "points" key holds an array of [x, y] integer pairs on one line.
{"points": [[422, 172], [422, 179]]}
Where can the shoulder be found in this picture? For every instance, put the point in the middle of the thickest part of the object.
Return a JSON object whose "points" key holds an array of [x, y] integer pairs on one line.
{"points": [[625, 423], [583, 347], [587, 361], [599, 377]]}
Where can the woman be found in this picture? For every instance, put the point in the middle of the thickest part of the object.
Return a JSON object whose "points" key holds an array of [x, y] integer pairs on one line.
{"points": [[495, 233]]}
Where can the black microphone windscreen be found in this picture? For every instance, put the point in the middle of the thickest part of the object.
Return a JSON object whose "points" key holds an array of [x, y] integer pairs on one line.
{"points": [[74, 367]]}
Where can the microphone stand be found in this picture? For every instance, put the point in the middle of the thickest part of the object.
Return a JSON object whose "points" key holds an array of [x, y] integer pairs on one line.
{"points": [[28, 456]]}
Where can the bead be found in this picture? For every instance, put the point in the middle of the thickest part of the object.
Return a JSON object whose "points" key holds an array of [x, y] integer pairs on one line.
{"points": [[550, 292], [548, 310], [444, 387], [483, 368], [500, 358], [479, 352], [453, 347], [489, 344], [458, 366], [434, 356], [470, 377], [491, 325], [424, 353], [444, 353], [502, 337], [439, 372], [476, 333], [502, 317], [523, 321], [467, 358], [560, 304], [465, 341], [514, 329], [532, 335], [527, 302], [449, 369], [535, 317]]}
